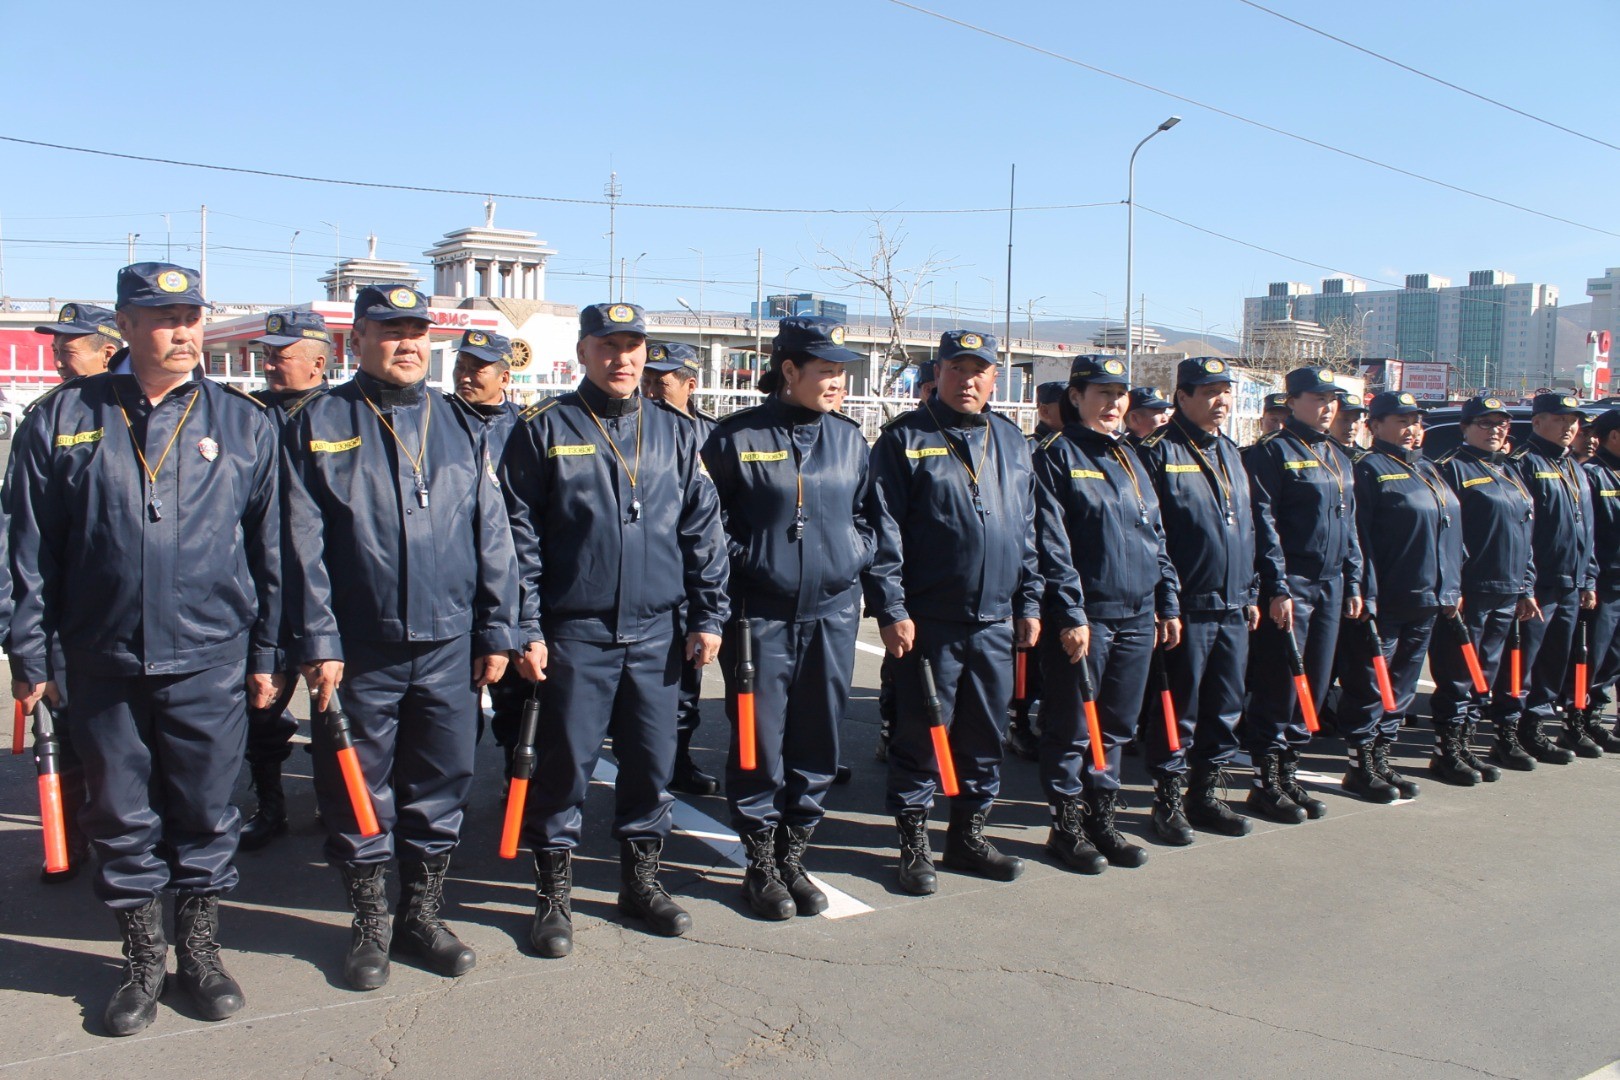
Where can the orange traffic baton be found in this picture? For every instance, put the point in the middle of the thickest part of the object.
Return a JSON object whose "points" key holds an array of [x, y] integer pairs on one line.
{"points": [[523, 763], [1302, 684], [17, 728], [337, 725], [1583, 637], [1515, 659], [1088, 701], [51, 818], [747, 737], [1465, 641], [1167, 703], [1380, 666], [939, 731]]}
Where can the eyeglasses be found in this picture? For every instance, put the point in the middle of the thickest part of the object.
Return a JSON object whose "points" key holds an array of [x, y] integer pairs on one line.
{"points": [[1485, 422]]}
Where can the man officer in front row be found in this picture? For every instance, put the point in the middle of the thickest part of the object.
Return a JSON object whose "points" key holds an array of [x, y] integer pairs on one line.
{"points": [[145, 536], [402, 586], [616, 527]]}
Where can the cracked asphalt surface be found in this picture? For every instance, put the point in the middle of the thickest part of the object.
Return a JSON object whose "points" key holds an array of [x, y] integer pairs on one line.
{"points": [[1465, 934]]}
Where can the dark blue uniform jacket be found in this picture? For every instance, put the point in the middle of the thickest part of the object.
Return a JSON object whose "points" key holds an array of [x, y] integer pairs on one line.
{"points": [[1411, 530], [1203, 494]]}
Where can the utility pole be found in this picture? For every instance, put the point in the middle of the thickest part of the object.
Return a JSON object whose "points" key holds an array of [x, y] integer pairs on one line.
{"points": [[1012, 188], [759, 306], [290, 244], [134, 236], [202, 267], [613, 191]]}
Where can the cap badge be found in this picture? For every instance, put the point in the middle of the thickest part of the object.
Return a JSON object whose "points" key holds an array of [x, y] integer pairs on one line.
{"points": [[172, 281], [1407, 399], [402, 298], [1113, 367], [1214, 367], [1570, 403], [972, 341], [658, 353], [477, 338], [836, 335], [208, 448], [1492, 403], [1324, 375], [621, 313], [69, 313], [273, 324]]}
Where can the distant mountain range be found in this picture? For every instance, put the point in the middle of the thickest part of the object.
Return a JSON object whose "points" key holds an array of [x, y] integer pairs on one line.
{"points": [[1081, 331]]}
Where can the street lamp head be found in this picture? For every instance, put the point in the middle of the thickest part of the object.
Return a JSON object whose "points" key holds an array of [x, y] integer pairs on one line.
{"points": [[681, 300], [1170, 123]]}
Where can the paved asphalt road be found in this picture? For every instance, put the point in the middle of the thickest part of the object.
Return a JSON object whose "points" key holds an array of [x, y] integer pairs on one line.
{"points": [[1467, 933]]}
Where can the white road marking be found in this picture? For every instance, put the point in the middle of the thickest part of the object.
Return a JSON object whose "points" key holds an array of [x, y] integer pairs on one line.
{"points": [[875, 650], [690, 821], [1610, 1071], [1323, 780]]}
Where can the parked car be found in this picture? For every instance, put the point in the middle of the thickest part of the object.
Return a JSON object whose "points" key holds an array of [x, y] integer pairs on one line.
{"points": [[1441, 431]]}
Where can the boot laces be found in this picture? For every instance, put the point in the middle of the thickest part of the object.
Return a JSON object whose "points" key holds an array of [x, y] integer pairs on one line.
{"points": [[1169, 795], [914, 834], [199, 944], [792, 860], [368, 897]]}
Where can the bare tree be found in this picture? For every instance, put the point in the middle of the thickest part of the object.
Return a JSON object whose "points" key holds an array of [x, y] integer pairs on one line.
{"points": [[899, 286]]}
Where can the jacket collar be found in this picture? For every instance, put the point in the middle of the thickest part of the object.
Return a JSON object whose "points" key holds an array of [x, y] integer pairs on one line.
{"points": [[605, 406]]}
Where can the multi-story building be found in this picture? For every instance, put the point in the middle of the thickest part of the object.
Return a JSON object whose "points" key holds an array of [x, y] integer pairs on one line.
{"points": [[1492, 333]]}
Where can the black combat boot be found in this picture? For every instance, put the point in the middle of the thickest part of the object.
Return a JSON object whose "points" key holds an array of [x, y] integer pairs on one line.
{"points": [[1381, 747], [552, 933], [1606, 740], [967, 850], [1539, 746], [762, 883], [146, 955], [1169, 817], [365, 967], [688, 778], [196, 958], [1067, 841], [1266, 796], [419, 932], [917, 875], [791, 843], [270, 819], [1207, 810], [1288, 780], [1574, 737], [1488, 773], [1104, 834], [1448, 764], [1507, 751], [1361, 777], [641, 895]]}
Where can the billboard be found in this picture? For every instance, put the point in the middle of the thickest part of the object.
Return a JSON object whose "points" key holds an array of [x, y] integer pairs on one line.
{"points": [[1424, 381]]}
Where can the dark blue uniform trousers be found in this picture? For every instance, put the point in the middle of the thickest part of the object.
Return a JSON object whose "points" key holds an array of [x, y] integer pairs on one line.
{"points": [[161, 755], [973, 669], [506, 699], [413, 712], [1120, 652], [801, 689], [1404, 643], [1206, 682], [1488, 618], [687, 713], [591, 691], [270, 730], [1546, 642], [1274, 721], [1605, 646]]}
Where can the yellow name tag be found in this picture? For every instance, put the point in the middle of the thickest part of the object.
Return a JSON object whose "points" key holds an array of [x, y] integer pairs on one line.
{"points": [[1086, 474], [762, 455], [1549, 476], [80, 439], [1394, 476], [1180, 468], [321, 446], [581, 450], [1609, 493], [927, 451], [1478, 480], [1300, 464]]}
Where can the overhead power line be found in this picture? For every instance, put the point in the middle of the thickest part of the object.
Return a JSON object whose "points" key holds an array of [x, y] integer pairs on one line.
{"points": [[1432, 78], [1262, 125], [1258, 247]]}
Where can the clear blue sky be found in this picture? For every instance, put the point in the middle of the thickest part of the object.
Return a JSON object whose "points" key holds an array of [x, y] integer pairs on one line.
{"points": [[849, 104]]}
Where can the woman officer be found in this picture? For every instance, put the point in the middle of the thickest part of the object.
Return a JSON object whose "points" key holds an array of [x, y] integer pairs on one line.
{"points": [[1111, 595], [791, 474]]}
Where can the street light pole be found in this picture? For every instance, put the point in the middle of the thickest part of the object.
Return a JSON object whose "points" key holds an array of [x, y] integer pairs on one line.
{"points": [[290, 244], [1130, 238]]}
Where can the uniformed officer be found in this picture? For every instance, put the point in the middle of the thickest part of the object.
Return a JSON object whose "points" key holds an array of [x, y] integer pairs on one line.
{"points": [[671, 376], [791, 475], [1349, 428], [1498, 588], [1603, 477], [1203, 493], [297, 347], [483, 381], [1275, 413], [1410, 525], [616, 526], [1310, 567], [145, 533], [952, 469], [405, 589], [1110, 600], [1021, 738], [1147, 413], [927, 376], [1566, 577], [1586, 441], [84, 339]]}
